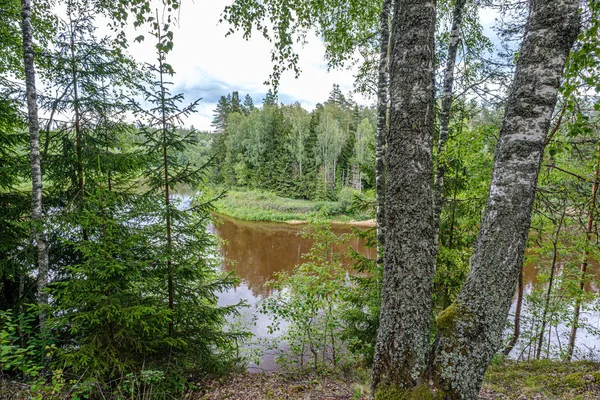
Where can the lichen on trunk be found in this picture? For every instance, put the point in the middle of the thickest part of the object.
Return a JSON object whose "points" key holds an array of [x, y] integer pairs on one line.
{"points": [[463, 353], [402, 348]]}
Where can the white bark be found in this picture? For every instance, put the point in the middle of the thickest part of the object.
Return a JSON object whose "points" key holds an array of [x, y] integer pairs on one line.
{"points": [[34, 156], [470, 330]]}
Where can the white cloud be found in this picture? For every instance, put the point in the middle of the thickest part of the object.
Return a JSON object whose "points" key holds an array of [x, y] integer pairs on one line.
{"points": [[207, 64]]}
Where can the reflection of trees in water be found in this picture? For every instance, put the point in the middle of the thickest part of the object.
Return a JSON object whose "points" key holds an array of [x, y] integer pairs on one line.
{"points": [[256, 250], [530, 271]]}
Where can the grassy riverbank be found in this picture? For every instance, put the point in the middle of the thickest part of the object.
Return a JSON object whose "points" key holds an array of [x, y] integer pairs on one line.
{"points": [[253, 205], [509, 380], [536, 380]]}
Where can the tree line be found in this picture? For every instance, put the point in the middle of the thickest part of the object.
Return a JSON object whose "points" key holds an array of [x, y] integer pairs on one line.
{"points": [[293, 152]]}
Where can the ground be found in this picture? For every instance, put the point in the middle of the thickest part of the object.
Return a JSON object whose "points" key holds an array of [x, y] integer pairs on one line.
{"points": [[538, 380]]}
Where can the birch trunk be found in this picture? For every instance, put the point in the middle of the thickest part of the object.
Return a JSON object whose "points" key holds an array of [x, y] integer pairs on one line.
{"points": [[470, 330], [34, 156], [447, 99], [382, 126], [402, 347]]}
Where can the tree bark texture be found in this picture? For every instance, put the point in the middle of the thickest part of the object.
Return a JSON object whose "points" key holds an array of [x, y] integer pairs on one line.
{"points": [[403, 345], [470, 330], [382, 125], [438, 187], [34, 156]]}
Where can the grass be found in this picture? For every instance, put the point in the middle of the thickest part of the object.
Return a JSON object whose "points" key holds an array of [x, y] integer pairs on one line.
{"points": [[539, 380], [254, 205], [550, 379]]}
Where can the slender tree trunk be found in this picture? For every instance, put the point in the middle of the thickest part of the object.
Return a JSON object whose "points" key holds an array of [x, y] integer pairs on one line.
{"points": [[438, 186], [402, 348], [164, 127], [470, 330], [34, 156], [77, 115], [550, 284], [382, 126], [78, 145], [584, 261], [517, 327]]}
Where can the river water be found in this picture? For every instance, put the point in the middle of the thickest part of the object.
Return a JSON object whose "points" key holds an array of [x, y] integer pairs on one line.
{"points": [[255, 251]]}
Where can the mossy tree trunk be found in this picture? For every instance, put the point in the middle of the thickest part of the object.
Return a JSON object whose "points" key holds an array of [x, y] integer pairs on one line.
{"points": [[402, 348], [470, 332]]}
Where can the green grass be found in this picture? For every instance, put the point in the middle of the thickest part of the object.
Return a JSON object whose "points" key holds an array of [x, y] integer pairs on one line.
{"points": [[254, 205], [552, 379]]}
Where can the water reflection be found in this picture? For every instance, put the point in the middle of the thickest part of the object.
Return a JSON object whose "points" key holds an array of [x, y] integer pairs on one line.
{"points": [[257, 250]]}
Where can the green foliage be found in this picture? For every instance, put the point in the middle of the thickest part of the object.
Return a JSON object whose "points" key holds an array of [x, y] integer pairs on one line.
{"points": [[286, 150], [22, 348], [328, 315], [305, 302], [255, 205], [361, 301]]}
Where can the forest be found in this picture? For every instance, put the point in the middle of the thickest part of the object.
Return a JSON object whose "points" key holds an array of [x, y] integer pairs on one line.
{"points": [[441, 218]]}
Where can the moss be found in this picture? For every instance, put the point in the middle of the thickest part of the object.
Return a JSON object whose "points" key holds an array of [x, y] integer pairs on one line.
{"points": [[446, 319], [393, 392]]}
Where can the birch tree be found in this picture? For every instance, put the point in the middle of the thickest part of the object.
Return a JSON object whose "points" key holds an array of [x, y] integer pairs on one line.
{"points": [[382, 113], [37, 232], [470, 330], [447, 99]]}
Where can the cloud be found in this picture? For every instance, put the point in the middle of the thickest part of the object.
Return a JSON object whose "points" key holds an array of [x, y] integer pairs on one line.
{"points": [[208, 64]]}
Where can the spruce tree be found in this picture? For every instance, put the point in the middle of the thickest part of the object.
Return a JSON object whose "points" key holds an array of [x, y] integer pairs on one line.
{"points": [[182, 257], [248, 105]]}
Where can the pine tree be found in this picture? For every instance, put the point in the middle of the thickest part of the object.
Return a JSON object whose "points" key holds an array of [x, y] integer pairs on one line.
{"points": [[220, 113], [248, 105], [182, 257], [236, 104], [270, 99]]}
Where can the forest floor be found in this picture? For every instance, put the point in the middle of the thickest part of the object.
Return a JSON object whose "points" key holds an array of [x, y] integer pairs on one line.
{"points": [[254, 205], [537, 380]]}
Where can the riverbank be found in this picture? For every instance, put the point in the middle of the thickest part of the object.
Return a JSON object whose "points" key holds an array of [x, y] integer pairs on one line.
{"points": [[509, 380], [255, 205]]}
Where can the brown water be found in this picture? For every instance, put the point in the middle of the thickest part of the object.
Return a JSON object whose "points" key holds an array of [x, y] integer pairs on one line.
{"points": [[255, 251]]}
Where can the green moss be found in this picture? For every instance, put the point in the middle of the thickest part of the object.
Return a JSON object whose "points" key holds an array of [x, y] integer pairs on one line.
{"points": [[446, 319], [392, 392]]}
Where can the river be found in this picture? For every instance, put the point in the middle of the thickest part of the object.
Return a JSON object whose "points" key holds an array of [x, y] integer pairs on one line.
{"points": [[255, 251]]}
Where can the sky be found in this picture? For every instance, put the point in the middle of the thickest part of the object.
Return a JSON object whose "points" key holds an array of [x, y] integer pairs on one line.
{"points": [[208, 65]]}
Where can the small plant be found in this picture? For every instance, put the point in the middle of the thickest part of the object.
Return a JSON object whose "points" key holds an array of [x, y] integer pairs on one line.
{"points": [[306, 303]]}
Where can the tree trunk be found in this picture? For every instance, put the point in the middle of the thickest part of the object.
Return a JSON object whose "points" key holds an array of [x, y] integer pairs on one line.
{"points": [[447, 99], [34, 156], [584, 261], [517, 327], [550, 283], [402, 347], [382, 126], [470, 330]]}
